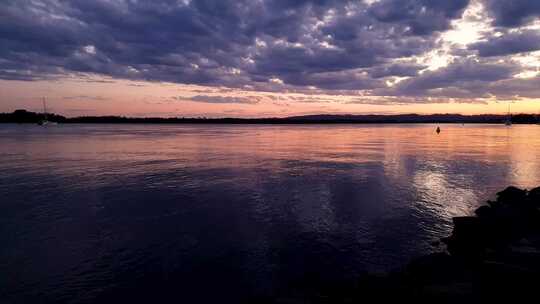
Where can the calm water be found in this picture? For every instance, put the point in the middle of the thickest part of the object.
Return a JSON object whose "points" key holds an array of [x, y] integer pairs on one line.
{"points": [[135, 212]]}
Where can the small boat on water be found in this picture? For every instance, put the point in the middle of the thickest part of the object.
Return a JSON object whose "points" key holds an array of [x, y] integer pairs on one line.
{"points": [[438, 130], [45, 121], [508, 121]]}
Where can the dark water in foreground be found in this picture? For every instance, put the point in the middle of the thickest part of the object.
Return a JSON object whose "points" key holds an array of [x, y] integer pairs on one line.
{"points": [[137, 212]]}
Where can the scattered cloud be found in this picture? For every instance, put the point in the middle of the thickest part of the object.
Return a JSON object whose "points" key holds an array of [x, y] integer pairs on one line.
{"points": [[222, 99], [84, 98]]}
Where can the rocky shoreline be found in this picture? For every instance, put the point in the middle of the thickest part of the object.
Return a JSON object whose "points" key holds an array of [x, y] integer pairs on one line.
{"points": [[492, 256]]}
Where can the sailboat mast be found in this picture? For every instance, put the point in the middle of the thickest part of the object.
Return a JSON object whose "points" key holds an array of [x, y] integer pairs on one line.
{"points": [[508, 120], [44, 108]]}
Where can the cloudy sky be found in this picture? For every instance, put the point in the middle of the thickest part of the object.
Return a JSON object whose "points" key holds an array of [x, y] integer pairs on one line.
{"points": [[253, 58]]}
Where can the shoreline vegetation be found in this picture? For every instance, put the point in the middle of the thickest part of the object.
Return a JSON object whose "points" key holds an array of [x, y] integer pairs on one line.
{"points": [[24, 116], [493, 255]]}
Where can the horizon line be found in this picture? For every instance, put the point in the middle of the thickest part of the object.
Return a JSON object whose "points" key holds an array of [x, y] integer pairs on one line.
{"points": [[278, 117]]}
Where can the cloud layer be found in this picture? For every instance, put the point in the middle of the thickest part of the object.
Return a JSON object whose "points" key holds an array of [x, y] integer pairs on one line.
{"points": [[381, 48]]}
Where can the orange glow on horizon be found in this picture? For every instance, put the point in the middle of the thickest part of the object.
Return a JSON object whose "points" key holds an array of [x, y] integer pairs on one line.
{"points": [[79, 97]]}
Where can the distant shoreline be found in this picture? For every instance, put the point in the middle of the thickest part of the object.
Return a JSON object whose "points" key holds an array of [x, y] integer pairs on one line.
{"points": [[23, 116]]}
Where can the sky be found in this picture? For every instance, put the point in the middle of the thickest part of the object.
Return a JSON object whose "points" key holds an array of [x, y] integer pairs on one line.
{"points": [[269, 58]]}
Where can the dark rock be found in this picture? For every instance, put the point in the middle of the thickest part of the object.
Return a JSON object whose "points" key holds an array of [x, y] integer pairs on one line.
{"points": [[435, 268], [534, 196], [484, 211], [467, 227], [512, 195], [511, 217], [468, 237]]}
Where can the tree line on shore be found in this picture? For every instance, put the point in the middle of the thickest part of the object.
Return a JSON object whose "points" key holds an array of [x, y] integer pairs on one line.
{"points": [[24, 116]]}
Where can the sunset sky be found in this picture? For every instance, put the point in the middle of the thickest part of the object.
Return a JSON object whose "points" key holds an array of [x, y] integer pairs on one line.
{"points": [[261, 58]]}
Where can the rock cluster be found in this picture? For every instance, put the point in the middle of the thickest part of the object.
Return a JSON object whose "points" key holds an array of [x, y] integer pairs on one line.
{"points": [[512, 219], [492, 256]]}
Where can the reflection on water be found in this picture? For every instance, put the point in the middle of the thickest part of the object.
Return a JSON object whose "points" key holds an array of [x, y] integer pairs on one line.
{"points": [[90, 211]]}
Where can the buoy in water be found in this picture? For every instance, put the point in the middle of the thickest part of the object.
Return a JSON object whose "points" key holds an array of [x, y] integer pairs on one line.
{"points": [[438, 130]]}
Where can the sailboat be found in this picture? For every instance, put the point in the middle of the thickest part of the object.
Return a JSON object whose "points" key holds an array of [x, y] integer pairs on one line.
{"points": [[508, 121], [45, 121]]}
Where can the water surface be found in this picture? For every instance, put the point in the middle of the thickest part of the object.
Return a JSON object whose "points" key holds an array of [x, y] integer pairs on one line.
{"points": [[224, 212]]}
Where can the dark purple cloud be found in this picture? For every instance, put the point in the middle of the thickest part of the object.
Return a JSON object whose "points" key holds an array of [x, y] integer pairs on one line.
{"points": [[273, 45], [223, 99], [419, 17], [398, 69], [201, 41], [511, 43], [462, 79], [513, 13]]}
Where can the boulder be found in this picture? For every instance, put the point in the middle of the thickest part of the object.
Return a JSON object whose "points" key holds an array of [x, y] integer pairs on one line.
{"points": [[484, 211], [512, 196], [534, 196]]}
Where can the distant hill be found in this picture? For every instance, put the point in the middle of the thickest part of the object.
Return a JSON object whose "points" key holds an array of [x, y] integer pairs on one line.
{"points": [[417, 118], [23, 116]]}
